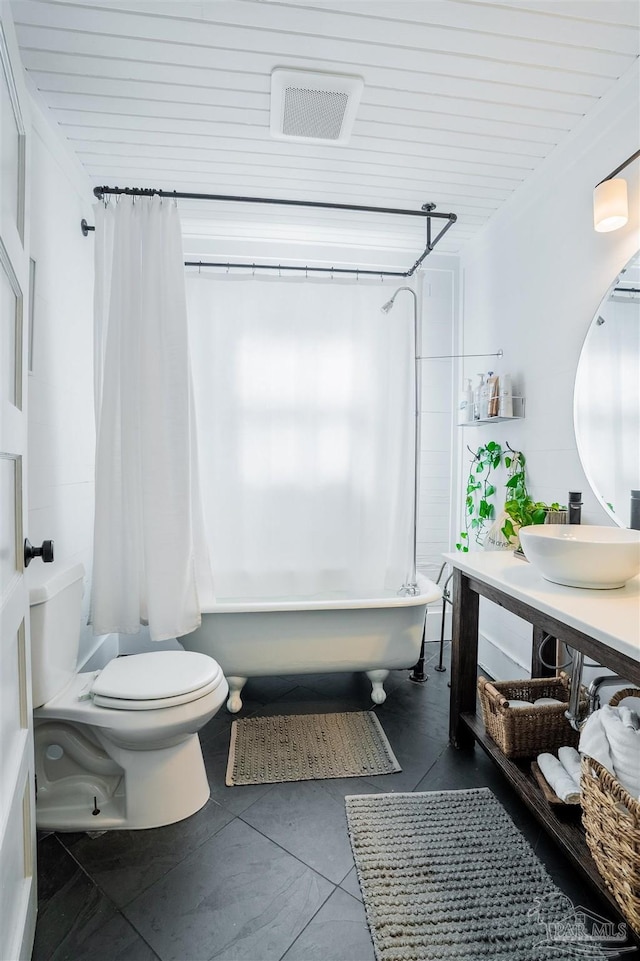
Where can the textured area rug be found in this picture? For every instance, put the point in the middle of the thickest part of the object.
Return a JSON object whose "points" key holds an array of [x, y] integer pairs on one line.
{"points": [[447, 875], [304, 747]]}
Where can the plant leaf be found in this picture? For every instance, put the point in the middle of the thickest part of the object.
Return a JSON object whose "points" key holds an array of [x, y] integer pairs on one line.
{"points": [[508, 529]]}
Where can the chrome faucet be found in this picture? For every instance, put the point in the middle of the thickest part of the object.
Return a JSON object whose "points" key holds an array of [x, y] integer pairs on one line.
{"points": [[572, 714]]}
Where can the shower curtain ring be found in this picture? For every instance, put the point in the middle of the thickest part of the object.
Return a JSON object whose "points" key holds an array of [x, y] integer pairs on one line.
{"points": [[357, 275], [199, 266], [253, 270], [227, 267], [332, 273], [279, 271]]}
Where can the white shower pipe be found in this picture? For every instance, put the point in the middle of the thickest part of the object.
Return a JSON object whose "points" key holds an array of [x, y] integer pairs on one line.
{"points": [[410, 587]]}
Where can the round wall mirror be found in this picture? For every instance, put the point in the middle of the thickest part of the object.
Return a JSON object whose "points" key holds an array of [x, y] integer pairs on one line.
{"points": [[607, 396]]}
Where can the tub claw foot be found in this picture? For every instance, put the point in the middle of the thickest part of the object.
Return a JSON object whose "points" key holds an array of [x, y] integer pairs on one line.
{"points": [[377, 678], [234, 702]]}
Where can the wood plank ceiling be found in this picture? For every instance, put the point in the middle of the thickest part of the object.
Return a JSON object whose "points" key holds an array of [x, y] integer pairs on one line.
{"points": [[463, 100]]}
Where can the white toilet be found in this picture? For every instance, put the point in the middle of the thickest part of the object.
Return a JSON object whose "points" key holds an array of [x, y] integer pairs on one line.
{"points": [[116, 748]]}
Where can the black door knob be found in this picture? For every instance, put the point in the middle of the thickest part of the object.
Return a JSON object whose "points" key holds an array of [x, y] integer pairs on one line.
{"points": [[45, 551]]}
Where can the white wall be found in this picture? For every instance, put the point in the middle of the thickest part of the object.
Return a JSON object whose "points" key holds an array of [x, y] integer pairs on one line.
{"points": [[532, 283], [60, 387]]}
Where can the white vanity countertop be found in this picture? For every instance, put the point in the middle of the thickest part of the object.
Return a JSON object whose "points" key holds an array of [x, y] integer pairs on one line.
{"points": [[612, 617]]}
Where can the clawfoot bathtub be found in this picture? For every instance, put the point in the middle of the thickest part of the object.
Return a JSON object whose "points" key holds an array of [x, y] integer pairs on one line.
{"points": [[259, 638]]}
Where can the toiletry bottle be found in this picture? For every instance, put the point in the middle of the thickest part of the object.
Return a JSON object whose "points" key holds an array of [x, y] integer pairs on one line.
{"points": [[575, 506], [484, 396], [505, 406], [477, 396], [465, 404], [494, 398], [635, 511]]}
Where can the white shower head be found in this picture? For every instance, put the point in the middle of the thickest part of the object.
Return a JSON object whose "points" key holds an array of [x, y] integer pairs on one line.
{"points": [[389, 304]]}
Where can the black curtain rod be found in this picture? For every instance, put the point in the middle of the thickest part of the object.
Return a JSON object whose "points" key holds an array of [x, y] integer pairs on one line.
{"points": [[316, 270], [427, 212]]}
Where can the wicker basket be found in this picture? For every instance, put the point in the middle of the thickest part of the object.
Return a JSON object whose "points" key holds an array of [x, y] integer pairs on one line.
{"points": [[625, 692], [522, 732], [611, 818]]}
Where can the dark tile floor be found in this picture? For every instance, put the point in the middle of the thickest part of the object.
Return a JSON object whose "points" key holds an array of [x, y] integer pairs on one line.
{"points": [[264, 872]]}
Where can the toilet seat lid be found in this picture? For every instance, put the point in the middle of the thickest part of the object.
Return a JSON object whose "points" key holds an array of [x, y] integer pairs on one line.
{"points": [[156, 703], [155, 676]]}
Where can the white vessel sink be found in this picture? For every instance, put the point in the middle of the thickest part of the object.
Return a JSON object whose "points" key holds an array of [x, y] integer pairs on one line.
{"points": [[582, 556]]}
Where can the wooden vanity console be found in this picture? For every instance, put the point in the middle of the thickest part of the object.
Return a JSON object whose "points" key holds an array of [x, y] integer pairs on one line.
{"points": [[604, 625]]}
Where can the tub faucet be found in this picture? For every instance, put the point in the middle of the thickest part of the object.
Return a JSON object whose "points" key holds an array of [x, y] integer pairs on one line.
{"points": [[572, 714]]}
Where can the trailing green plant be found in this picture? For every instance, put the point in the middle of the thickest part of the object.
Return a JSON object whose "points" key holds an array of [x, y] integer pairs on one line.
{"points": [[519, 505], [479, 508]]}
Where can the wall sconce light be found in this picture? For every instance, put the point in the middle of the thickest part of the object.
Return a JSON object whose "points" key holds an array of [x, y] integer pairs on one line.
{"points": [[610, 205]]}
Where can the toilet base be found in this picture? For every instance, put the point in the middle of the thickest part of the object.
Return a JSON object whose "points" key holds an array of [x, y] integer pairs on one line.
{"points": [[157, 787]]}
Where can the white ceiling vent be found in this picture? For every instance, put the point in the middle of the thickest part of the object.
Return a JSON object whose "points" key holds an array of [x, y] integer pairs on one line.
{"points": [[313, 106]]}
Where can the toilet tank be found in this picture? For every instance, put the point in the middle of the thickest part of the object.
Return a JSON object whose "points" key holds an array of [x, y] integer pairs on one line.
{"points": [[55, 603]]}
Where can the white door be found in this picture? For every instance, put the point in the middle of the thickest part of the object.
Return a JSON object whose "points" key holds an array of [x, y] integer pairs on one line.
{"points": [[17, 797]]}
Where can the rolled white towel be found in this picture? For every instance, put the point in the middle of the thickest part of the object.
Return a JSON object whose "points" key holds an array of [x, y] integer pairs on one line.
{"points": [[570, 760], [557, 778], [519, 704], [624, 746], [594, 741], [629, 717], [547, 700]]}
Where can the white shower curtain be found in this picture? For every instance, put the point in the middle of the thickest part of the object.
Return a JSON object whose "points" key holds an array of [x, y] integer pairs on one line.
{"points": [[150, 559], [304, 399]]}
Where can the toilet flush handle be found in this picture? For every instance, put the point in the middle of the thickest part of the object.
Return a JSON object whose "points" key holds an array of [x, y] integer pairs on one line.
{"points": [[45, 551]]}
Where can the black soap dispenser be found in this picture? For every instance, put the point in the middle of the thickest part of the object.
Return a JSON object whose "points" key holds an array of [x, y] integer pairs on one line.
{"points": [[635, 511], [575, 506]]}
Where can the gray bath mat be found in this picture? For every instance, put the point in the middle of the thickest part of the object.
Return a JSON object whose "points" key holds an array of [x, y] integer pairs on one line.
{"points": [[447, 875], [303, 747]]}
